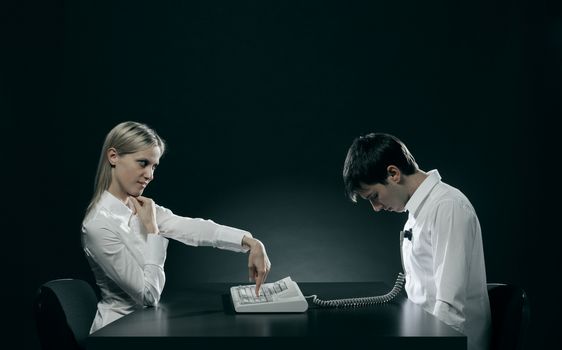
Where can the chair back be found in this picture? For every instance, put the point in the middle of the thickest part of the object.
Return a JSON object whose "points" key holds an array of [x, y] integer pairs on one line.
{"points": [[509, 307], [64, 311]]}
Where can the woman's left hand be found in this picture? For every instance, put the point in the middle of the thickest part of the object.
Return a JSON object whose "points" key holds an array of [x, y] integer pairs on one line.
{"points": [[258, 262]]}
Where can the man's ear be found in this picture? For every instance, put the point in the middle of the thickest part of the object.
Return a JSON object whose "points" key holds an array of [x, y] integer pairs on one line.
{"points": [[394, 173], [112, 156]]}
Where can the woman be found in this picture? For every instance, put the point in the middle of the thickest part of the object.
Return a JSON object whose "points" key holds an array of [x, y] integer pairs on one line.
{"points": [[125, 235]]}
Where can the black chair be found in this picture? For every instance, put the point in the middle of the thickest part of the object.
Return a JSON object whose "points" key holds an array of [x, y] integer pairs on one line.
{"points": [[510, 316], [64, 311]]}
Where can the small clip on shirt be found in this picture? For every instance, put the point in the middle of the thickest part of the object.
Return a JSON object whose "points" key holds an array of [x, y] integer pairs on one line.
{"points": [[408, 235]]}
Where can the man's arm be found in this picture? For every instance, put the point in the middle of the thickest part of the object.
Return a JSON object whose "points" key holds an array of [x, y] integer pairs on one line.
{"points": [[452, 239]]}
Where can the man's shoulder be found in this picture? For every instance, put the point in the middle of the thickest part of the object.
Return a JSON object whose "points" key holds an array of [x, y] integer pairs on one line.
{"points": [[444, 191], [445, 194]]}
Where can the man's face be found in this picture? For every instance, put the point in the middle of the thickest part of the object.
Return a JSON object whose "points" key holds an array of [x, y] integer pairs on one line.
{"points": [[391, 196]]}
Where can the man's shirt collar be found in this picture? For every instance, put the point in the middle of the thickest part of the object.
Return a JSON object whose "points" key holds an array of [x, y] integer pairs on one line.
{"points": [[422, 192]]}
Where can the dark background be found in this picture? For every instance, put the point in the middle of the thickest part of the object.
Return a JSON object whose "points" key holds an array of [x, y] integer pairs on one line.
{"points": [[258, 102]]}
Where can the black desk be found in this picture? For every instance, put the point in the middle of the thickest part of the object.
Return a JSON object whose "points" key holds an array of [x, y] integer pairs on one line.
{"points": [[203, 315]]}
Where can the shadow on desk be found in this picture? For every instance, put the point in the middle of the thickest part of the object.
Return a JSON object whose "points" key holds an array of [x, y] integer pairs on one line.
{"points": [[203, 315]]}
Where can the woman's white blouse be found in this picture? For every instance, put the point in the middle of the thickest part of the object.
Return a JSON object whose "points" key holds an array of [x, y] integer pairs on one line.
{"points": [[128, 263], [444, 261]]}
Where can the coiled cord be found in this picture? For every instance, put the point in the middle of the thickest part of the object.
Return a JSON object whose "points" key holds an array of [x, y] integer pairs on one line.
{"points": [[362, 301]]}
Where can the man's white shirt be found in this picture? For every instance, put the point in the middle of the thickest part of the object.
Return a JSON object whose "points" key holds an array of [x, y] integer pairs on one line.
{"points": [[128, 262], [444, 261]]}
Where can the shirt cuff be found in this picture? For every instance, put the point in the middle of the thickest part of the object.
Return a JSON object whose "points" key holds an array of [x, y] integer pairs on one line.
{"points": [[230, 238], [156, 250], [450, 315]]}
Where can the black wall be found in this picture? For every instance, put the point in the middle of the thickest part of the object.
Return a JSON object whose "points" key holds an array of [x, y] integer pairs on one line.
{"points": [[258, 102]]}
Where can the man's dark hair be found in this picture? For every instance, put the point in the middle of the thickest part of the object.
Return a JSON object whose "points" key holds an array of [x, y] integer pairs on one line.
{"points": [[368, 159]]}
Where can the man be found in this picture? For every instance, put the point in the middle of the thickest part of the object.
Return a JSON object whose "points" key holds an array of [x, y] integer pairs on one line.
{"points": [[443, 258]]}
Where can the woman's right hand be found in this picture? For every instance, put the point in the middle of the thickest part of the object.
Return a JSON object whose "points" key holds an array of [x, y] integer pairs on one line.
{"points": [[258, 262], [146, 211]]}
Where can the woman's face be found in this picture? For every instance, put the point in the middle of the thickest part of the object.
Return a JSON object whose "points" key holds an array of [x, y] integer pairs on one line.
{"points": [[132, 172]]}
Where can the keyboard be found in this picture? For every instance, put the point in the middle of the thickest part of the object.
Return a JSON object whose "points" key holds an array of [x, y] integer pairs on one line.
{"points": [[281, 296]]}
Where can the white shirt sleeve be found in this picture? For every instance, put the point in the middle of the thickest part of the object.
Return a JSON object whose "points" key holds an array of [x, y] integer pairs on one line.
{"points": [[199, 232], [452, 240], [139, 274]]}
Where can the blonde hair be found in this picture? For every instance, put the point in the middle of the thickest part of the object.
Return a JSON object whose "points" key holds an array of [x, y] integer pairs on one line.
{"points": [[127, 137]]}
